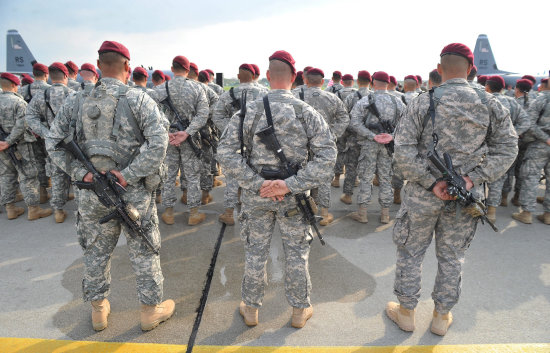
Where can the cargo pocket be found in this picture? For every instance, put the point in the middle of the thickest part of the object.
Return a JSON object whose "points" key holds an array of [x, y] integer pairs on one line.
{"points": [[245, 227], [401, 229], [151, 231], [470, 236], [81, 233]]}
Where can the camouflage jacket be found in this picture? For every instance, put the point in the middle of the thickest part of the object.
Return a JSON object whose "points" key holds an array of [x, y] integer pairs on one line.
{"points": [[479, 137], [389, 107], [12, 118], [409, 96], [329, 105], [226, 107], [520, 118], [345, 92], [29, 91], [216, 88], [43, 107], [539, 112], [299, 129], [334, 88], [189, 100], [352, 99], [73, 84], [145, 113]]}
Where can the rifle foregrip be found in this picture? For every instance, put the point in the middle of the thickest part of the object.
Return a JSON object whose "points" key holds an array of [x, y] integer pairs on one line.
{"points": [[108, 217], [82, 185]]}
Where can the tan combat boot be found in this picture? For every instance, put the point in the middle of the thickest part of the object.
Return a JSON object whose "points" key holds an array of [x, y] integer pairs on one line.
{"points": [[504, 200], [249, 314], [206, 198], [168, 216], [100, 311], [14, 211], [60, 216], [397, 196], [300, 316], [375, 181], [492, 213], [44, 197], [195, 217], [404, 318], [441, 323], [184, 197], [227, 217], [385, 216], [35, 212], [361, 215], [336, 181], [153, 315], [524, 217], [19, 196], [515, 199], [346, 199], [540, 199], [544, 218], [327, 217], [217, 182]]}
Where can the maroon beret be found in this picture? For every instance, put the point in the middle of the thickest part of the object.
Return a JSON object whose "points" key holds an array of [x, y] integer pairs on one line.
{"points": [[347, 77], [59, 66], [167, 77], [316, 71], [182, 61], [300, 74], [524, 84], [530, 78], [256, 69], [460, 50], [393, 80], [544, 80], [89, 67], [285, 57], [210, 72], [248, 67], [11, 77], [27, 79], [307, 68], [112, 46], [497, 79], [481, 79], [160, 73], [41, 67], [140, 70], [411, 77], [365, 75], [381, 76], [337, 73], [194, 67], [71, 65], [206, 74], [419, 79]]}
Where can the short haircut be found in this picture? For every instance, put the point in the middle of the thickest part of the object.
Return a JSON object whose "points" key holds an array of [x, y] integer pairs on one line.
{"points": [[362, 81], [246, 75], [472, 74], [178, 67], [157, 77], [525, 88], [138, 76], [38, 73], [56, 74], [314, 79], [111, 58], [435, 77], [280, 71], [410, 84], [454, 64], [299, 81], [494, 86], [71, 71], [335, 77], [203, 78], [5, 83]]}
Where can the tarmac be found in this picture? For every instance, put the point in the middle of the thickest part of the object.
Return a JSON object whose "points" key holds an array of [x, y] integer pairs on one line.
{"points": [[505, 299]]}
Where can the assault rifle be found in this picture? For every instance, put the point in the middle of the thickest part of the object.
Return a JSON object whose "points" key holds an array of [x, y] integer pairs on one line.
{"points": [[457, 187], [383, 126], [12, 152], [109, 192]]}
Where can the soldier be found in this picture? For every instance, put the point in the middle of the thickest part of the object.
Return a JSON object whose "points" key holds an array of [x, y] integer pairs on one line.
{"points": [[72, 68], [304, 79], [217, 88], [461, 120], [139, 76], [256, 74], [336, 85], [158, 78], [537, 158], [40, 73], [230, 103], [376, 108], [40, 113], [419, 85], [12, 122], [352, 148], [482, 79], [190, 102], [347, 81], [26, 80], [392, 88], [522, 122], [472, 75], [296, 126], [299, 81], [410, 85], [89, 76], [521, 92], [533, 93], [133, 158], [434, 80], [336, 116]]}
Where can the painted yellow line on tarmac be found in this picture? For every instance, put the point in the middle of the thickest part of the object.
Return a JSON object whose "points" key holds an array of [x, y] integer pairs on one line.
{"points": [[33, 345]]}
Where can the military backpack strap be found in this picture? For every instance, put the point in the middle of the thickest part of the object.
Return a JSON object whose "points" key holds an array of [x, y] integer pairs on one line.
{"points": [[28, 96], [234, 101], [404, 99], [47, 100], [359, 95], [302, 95], [339, 94], [242, 114]]}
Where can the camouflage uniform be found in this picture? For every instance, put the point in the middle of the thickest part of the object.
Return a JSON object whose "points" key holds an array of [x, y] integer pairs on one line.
{"points": [[99, 240], [12, 120], [334, 88], [191, 102], [297, 126], [39, 148], [223, 111], [409, 96], [345, 92], [537, 155], [216, 88], [73, 84], [521, 122], [374, 157], [461, 123], [336, 116], [40, 115], [341, 142]]}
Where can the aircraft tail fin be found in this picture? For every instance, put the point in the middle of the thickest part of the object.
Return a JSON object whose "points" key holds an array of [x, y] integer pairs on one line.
{"points": [[484, 58], [19, 58]]}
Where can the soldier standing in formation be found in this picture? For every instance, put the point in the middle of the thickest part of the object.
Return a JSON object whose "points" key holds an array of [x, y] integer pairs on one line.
{"points": [[336, 84], [72, 70], [89, 76]]}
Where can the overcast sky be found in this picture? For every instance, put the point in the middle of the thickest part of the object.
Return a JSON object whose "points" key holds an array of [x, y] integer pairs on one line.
{"points": [[399, 37]]}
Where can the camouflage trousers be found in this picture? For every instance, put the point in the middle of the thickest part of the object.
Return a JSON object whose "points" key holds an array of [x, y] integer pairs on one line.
{"points": [[99, 241], [351, 160], [61, 182], [510, 182], [421, 215], [321, 195], [341, 156], [40, 156], [374, 158], [191, 166], [231, 193], [257, 218], [10, 175], [207, 177], [496, 188], [537, 158]]}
